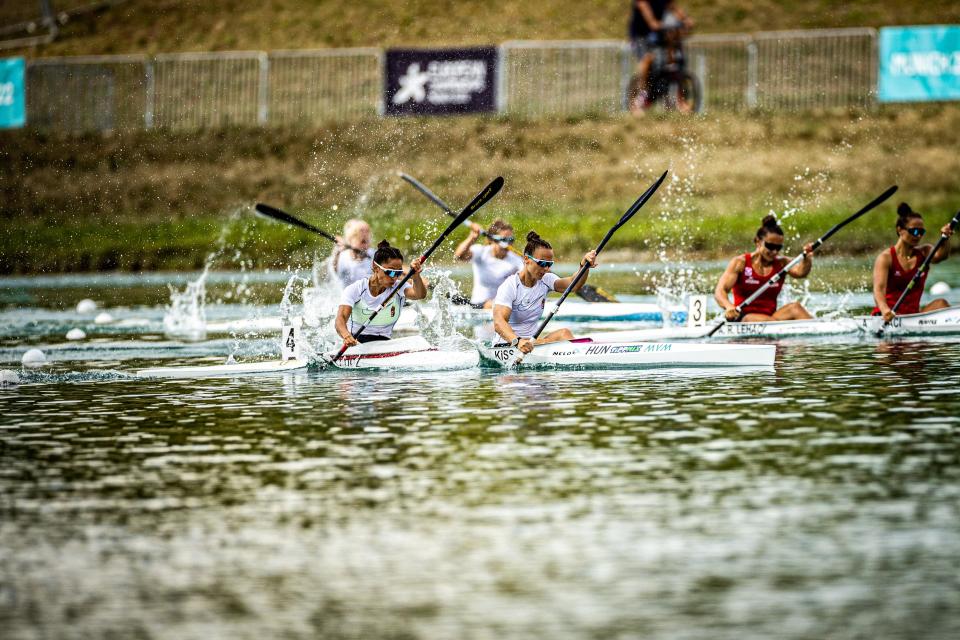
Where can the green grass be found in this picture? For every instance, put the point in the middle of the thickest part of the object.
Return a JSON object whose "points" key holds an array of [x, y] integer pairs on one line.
{"points": [[154, 26]]}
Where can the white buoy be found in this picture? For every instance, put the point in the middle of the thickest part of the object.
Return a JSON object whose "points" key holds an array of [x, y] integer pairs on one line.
{"points": [[8, 378], [33, 359], [103, 318], [939, 288], [86, 306], [76, 334]]}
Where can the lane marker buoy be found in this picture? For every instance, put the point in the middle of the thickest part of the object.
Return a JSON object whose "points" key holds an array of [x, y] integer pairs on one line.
{"points": [[33, 359]]}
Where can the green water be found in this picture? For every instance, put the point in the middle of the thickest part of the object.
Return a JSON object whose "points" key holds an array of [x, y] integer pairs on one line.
{"points": [[820, 499]]}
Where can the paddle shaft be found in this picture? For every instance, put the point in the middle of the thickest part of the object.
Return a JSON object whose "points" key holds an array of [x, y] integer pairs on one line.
{"points": [[642, 200], [283, 216], [816, 245], [425, 190], [478, 201], [922, 270]]}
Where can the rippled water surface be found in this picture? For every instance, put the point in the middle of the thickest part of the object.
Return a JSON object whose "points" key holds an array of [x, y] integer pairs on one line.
{"points": [[819, 499]]}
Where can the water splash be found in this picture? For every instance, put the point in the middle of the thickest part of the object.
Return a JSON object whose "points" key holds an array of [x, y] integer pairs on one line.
{"points": [[186, 317]]}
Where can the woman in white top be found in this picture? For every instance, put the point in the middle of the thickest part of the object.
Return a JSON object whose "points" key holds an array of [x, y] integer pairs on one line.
{"points": [[492, 262], [521, 298], [350, 265], [359, 300]]}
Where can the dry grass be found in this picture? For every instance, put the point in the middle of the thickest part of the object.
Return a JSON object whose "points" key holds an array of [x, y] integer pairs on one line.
{"points": [[565, 176], [193, 25]]}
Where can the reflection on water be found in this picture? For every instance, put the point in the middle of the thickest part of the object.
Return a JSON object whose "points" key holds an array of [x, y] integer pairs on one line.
{"points": [[816, 500]]}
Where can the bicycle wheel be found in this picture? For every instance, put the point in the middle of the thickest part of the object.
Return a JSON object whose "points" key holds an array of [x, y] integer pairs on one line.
{"points": [[687, 94]]}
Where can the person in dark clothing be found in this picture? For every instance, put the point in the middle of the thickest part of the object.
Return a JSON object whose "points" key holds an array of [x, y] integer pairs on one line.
{"points": [[646, 21]]}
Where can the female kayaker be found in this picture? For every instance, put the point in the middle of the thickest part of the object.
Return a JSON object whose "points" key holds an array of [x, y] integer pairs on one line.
{"points": [[492, 262], [895, 267], [521, 298], [351, 265], [359, 300], [747, 273]]}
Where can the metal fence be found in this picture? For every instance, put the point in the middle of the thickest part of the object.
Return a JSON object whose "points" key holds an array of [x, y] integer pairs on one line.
{"points": [[794, 70]]}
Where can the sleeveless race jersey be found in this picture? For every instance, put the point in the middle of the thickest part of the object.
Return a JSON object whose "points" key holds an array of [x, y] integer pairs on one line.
{"points": [[897, 280], [749, 281]]}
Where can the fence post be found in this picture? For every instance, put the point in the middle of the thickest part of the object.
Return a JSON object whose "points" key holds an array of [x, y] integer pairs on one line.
{"points": [[752, 75], [264, 89], [626, 57], [150, 102], [702, 76], [501, 79]]}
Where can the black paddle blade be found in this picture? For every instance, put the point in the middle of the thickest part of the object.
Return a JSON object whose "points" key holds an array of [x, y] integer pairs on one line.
{"points": [[479, 200], [283, 216], [642, 200], [422, 188], [872, 205]]}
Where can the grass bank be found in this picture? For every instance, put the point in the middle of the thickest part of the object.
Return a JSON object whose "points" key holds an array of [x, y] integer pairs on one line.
{"points": [[157, 26], [161, 200]]}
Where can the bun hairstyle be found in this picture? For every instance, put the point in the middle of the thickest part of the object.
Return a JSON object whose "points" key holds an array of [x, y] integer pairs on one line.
{"points": [[768, 225], [905, 214], [534, 242], [385, 253], [499, 225]]}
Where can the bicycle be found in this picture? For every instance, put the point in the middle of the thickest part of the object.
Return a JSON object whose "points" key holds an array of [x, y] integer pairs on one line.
{"points": [[668, 80]]}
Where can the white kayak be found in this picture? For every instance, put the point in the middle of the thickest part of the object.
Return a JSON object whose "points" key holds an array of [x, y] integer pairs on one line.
{"points": [[766, 330], [939, 322], [225, 370], [412, 352], [585, 352], [569, 312]]}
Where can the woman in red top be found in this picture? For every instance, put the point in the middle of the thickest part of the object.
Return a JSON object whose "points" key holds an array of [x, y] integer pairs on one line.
{"points": [[895, 267], [747, 273]]}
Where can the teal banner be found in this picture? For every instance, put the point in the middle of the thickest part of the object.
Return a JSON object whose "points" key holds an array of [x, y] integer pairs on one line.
{"points": [[919, 63], [13, 105]]}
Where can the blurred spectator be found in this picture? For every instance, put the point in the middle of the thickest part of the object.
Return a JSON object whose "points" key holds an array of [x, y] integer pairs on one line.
{"points": [[647, 18]]}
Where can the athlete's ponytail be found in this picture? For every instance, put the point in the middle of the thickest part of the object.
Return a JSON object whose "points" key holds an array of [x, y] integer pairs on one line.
{"points": [[385, 252], [534, 242], [905, 214], [768, 225]]}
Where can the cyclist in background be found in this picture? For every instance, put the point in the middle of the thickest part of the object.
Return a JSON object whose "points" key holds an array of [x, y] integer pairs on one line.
{"points": [[646, 23]]}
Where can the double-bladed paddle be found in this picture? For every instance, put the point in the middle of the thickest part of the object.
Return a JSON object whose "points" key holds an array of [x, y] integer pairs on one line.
{"points": [[283, 216], [593, 294], [816, 245], [478, 201], [636, 206], [919, 274]]}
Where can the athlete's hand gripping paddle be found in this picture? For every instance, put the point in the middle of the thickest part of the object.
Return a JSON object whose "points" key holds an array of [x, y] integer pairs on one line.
{"points": [[636, 206], [478, 201], [919, 274], [816, 245]]}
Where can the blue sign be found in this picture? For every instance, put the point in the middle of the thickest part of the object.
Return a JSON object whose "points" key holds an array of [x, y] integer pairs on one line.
{"points": [[919, 63], [13, 106]]}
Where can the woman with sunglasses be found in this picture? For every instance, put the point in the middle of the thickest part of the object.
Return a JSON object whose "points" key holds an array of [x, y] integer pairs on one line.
{"points": [[492, 262], [359, 300], [521, 298], [747, 273], [895, 268], [354, 264]]}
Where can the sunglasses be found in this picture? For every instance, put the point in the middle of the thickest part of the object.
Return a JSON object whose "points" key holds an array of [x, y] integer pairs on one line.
{"points": [[772, 247], [916, 232], [543, 264], [391, 273], [506, 239]]}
